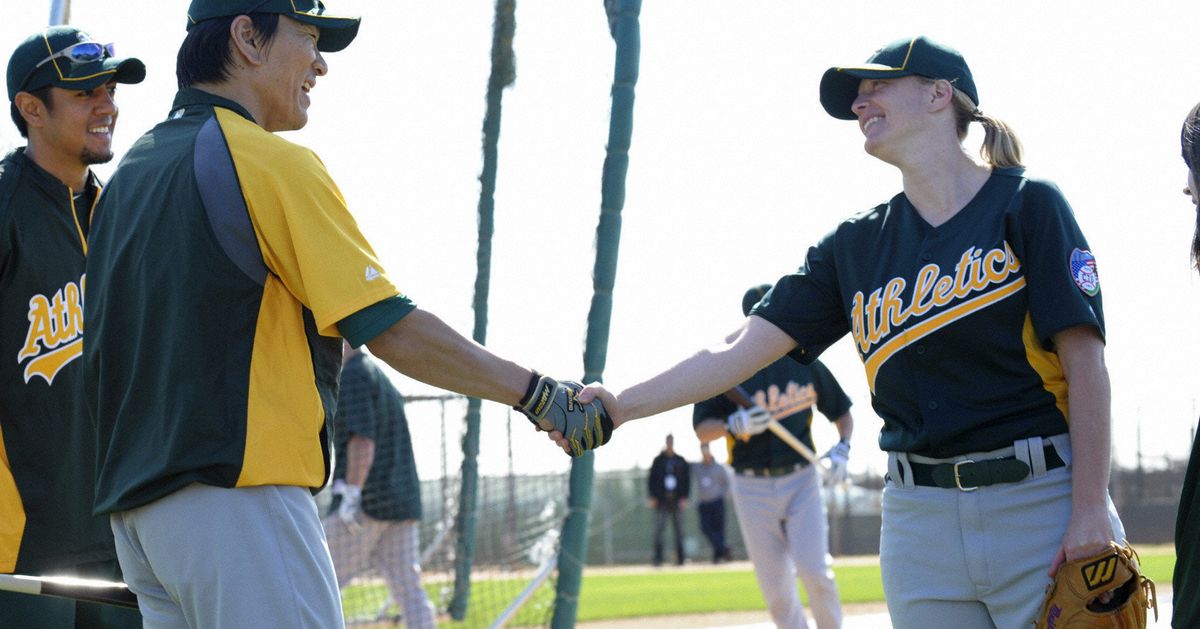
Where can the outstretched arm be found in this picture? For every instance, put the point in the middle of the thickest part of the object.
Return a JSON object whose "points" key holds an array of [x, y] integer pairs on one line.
{"points": [[702, 375], [423, 347]]}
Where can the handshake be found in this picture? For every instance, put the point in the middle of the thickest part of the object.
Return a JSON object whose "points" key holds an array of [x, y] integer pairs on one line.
{"points": [[553, 406]]}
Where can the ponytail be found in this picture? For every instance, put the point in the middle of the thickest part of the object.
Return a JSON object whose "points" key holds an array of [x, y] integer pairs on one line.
{"points": [[1001, 148], [1190, 141]]}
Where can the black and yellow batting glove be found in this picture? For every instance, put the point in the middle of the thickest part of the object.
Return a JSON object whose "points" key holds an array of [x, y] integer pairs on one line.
{"points": [[552, 405]]}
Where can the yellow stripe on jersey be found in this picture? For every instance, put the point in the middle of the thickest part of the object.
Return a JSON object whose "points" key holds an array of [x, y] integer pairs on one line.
{"points": [[1047, 366], [284, 414], [12, 514], [935, 323], [305, 232], [317, 261]]}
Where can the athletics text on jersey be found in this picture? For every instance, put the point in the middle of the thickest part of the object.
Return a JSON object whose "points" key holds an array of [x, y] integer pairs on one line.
{"points": [[55, 335], [47, 442], [954, 324], [788, 390]]}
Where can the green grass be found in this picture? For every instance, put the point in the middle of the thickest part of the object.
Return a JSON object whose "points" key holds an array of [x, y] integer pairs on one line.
{"points": [[1158, 563], [672, 592], [667, 592]]}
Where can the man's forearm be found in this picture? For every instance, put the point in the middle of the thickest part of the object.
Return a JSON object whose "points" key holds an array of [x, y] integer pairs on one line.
{"points": [[360, 454], [423, 347]]}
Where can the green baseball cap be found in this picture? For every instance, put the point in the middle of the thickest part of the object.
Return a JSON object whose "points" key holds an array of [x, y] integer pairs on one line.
{"points": [[66, 57], [336, 31], [918, 56]]}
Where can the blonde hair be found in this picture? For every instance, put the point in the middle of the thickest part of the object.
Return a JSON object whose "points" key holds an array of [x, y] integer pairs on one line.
{"points": [[1000, 148]]}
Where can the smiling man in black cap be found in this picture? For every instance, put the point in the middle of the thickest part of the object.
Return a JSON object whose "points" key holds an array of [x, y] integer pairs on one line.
{"points": [[61, 86], [225, 271]]}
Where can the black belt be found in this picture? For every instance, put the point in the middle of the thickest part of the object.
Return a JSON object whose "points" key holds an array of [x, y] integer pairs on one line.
{"points": [[968, 475], [776, 470]]}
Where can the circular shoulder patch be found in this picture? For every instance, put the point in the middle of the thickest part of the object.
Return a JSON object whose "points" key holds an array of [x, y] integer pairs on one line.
{"points": [[1083, 271]]}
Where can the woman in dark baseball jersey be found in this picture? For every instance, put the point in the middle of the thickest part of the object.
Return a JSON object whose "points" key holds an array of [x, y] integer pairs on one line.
{"points": [[1186, 583], [974, 303]]}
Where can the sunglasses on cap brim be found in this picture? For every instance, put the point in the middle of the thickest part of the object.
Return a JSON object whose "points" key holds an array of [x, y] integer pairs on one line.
{"points": [[83, 52]]}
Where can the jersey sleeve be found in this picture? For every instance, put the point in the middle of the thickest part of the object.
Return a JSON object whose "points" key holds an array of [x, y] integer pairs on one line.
{"points": [[832, 401], [304, 229], [364, 325], [1060, 269], [806, 304]]}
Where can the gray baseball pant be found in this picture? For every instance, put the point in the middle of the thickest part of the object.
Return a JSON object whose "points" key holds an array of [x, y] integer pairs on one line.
{"points": [[783, 524], [392, 547], [975, 559], [218, 558]]}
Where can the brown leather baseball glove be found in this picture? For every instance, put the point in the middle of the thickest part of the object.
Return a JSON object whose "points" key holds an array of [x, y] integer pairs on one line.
{"points": [[1104, 590]]}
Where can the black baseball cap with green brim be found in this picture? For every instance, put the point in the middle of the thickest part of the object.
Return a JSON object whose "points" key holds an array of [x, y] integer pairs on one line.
{"points": [[918, 56], [66, 57], [336, 31]]}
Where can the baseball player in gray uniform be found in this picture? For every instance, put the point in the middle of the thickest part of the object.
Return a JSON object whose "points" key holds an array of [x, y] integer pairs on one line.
{"points": [[776, 492]]}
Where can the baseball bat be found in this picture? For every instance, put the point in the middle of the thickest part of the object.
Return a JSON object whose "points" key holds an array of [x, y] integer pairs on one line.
{"points": [[738, 396], [90, 590]]}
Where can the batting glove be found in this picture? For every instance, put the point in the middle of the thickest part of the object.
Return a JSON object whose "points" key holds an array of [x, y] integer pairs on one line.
{"points": [[552, 405], [838, 456], [747, 422], [351, 502]]}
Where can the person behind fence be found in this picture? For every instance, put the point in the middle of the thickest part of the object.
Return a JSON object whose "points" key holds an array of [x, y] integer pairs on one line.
{"points": [[1186, 581], [375, 517], [669, 485], [712, 483], [224, 269], [62, 87]]}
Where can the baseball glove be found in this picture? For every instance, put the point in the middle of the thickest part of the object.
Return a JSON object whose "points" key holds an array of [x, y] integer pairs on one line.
{"points": [[1104, 590]]}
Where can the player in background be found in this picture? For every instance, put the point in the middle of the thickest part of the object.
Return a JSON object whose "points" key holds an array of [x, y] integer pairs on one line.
{"points": [[375, 517], [224, 271], [776, 492], [712, 485], [973, 300], [61, 92], [668, 485], [1186, 582]]}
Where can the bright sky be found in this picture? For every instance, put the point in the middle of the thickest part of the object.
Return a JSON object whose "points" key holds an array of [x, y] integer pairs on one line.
{"points": [[735, 170]]}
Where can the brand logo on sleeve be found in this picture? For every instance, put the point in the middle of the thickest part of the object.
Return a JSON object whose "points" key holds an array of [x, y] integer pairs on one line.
{"points": [[1083, 271], [55, 332], [371, 273]]}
